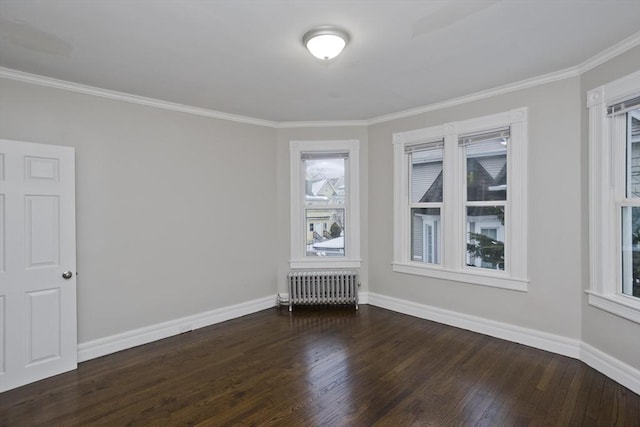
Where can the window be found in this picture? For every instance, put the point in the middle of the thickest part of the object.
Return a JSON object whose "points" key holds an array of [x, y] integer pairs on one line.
{"points": [[425, 163], [486, 197], [460, 201], [614, 193], [325, 203], [630, 209]]}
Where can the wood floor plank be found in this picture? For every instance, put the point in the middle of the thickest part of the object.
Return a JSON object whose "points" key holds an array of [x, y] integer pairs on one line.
{"points": [[331, 366]]}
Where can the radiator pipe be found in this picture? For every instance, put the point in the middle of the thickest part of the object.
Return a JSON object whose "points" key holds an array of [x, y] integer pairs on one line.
{"points": [[281, 301]]}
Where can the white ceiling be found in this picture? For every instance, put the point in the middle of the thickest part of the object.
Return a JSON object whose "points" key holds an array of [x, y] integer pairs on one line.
{"points": [[246, 57]]}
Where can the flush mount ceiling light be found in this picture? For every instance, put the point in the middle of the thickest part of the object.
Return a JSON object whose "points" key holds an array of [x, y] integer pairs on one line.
{"points": [[325, 42]]}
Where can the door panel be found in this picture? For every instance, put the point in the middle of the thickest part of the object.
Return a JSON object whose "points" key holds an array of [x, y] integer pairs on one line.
{"points": [[43, 308], [37, 225], [2, 335], [2, 234], [42, 242], [43, 169]]}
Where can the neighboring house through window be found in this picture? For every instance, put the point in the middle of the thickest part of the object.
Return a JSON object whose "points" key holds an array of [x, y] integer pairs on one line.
{"points": [[460, 201], [614, 196], [325, 203]]}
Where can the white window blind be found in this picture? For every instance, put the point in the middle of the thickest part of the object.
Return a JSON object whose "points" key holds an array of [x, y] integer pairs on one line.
{"points": [[623, 107], [501, 135], [422, 146]]}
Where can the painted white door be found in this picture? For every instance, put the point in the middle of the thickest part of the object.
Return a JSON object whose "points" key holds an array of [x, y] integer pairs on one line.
{"points": [[38, 331]]}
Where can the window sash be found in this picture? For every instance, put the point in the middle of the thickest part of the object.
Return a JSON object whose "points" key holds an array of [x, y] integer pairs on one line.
{"points": [[412, 167], [505, 232], [628, 140], [434, 242]]}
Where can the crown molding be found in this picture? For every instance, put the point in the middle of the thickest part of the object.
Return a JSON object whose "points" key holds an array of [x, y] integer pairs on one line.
{"points": [[322, 124], [610, 53], [21, 76], [600, 58], [511, 87]]}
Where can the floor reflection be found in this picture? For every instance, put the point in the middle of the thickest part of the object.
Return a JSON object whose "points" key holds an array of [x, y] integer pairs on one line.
{"points": [[321, 318], [326, 333]]}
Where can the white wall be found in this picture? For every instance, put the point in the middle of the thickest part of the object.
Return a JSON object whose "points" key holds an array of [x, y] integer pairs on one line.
{"points": [[171, 207], [614, 335], [553, 303]]}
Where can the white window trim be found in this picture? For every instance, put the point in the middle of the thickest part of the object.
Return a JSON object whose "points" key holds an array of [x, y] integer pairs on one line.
{"points": [[452, 265], [352, 176], [606, 170]]}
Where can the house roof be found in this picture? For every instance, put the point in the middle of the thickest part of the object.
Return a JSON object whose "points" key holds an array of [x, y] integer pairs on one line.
{"points": [[337, 243], [245, 60], [481, 185]]}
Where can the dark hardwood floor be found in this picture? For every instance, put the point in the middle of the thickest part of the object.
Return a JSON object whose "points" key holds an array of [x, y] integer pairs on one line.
{"points": [[329, 367]]}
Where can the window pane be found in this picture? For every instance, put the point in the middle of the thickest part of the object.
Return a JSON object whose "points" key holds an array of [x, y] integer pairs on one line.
{"points": [[324, 181], [633, 153], [425, 235], [485, 237], [631, 251], [426, 176], [487, 170], [325, 235]]}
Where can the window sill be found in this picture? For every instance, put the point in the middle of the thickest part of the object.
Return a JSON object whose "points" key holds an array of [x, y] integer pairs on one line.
{"points": [[324, 263], [484, 278], [621, 305]]}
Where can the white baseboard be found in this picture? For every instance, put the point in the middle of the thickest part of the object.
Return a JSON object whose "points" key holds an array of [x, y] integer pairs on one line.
{"points": [[103, 346], [531, 337], [613, 368], [363, 297]]}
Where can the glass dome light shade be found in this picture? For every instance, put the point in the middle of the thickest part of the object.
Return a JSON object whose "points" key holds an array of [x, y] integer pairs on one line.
{"points": [[325, 43]]}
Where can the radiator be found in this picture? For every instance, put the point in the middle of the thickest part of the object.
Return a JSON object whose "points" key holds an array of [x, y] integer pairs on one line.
{"points": [[323, 287]]}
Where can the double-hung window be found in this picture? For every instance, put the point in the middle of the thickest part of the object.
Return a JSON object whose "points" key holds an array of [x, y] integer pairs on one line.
{"points": [[460, 201], [614, 196], [425, 194], [485, 163], [324, 204]]}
